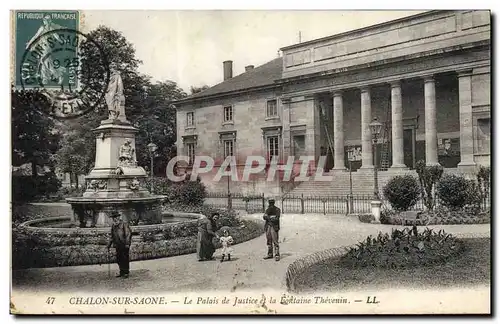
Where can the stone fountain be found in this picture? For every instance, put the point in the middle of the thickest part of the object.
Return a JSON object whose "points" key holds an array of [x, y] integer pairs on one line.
{"points": [[116, 183]]}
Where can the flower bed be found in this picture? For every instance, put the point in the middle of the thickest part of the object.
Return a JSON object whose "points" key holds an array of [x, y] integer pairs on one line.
{"points": [[402, 249], [471, 268], [439, 216]]}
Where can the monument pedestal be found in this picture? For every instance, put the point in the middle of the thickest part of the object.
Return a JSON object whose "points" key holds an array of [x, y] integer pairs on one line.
{"points": [[116, 183]]}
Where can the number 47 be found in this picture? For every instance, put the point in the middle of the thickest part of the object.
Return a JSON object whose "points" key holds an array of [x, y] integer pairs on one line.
{"points": [[50, 300]]}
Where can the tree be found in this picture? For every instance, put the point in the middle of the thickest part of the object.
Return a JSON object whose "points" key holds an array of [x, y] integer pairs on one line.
{"points": [[195, 89], [147, 105], [113, 48], [157, 124], [77, 152], [34, 136]]}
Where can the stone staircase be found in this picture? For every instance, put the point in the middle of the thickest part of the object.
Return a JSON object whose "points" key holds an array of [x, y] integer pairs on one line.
{"points": [[362, 183]]}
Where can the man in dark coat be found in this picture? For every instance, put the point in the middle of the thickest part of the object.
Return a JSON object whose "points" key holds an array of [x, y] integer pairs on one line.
{"points": [[272, 227], [121, 238]]}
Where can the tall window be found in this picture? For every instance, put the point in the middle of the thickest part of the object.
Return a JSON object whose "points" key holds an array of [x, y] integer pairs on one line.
{"points": [[228, 113], [272, 147], [190, 152], [228, 148], [483, 135], [272, 108], [190, 118]]}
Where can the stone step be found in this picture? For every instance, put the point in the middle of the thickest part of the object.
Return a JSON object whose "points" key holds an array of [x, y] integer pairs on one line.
{"points": [[362, 182]]}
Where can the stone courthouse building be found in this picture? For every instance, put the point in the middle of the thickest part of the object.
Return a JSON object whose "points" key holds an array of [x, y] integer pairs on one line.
{"points": [[425, 77]]}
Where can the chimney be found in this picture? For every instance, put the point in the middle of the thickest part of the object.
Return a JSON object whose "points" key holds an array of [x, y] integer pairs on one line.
{"points": [[228, 69], [248, 68]]}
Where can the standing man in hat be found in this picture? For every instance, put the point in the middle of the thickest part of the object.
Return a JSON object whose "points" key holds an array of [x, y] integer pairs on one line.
{"points": [[121, 237], [272, 227]]}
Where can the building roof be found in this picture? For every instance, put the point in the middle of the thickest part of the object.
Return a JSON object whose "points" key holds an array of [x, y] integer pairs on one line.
{"points": [[261, 76]]}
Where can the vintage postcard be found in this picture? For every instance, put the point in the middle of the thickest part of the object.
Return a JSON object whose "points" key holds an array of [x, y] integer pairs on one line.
{"points": [[250, 162]]}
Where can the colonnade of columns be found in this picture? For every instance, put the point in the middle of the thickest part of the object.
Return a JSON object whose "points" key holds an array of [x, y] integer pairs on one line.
{"points": [[431, 146]]}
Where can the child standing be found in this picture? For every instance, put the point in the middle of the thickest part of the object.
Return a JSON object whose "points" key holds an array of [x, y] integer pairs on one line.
{"points": [[226, 240]]}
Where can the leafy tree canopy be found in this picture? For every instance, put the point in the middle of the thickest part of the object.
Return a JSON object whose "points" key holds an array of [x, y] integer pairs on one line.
{"points": [[147, 104]]}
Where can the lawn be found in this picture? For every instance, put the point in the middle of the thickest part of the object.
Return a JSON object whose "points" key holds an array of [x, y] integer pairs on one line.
{"points": [[471, 268], [26, 212]]}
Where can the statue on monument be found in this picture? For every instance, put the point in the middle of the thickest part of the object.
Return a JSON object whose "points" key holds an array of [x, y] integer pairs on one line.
{"points": [[115, 99], [126, 154]]}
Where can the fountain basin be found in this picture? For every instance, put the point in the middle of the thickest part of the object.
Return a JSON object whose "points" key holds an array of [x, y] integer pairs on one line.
{"points": [[95, 212], [42, 243]]}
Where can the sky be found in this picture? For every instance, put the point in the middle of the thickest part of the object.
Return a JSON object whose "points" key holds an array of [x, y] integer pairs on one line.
{"points": [[188, 47]]}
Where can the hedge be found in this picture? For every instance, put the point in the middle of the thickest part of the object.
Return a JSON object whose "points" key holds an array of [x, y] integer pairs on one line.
{"points": [[439, 216], [54, 247]]}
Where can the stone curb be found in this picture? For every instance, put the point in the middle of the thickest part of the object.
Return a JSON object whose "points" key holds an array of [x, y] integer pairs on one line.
{"points": [[95, 253], [298, 266]]}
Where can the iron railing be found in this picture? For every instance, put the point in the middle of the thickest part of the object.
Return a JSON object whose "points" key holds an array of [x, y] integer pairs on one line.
{"points": [[303, 204]]}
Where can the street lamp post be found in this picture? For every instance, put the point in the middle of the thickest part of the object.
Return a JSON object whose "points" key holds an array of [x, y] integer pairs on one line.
{"points": [[350, 159], [152, 148], [229, 200], [375, 127]]}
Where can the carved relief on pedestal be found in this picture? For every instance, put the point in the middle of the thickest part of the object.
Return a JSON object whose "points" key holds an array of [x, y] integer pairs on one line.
{"points": [[102, 184], [97, 185], [126, 155], [134, 184]]}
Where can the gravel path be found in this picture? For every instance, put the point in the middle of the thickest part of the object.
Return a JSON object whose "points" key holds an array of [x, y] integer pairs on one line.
{"points": [[300, 235]]}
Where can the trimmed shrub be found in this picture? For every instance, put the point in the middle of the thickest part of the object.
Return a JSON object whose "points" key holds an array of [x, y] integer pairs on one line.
{"points": [[402, 192], [365, 218], [390, 217], [483, 175], [183, 193], [456, 192], [71, 192], [190, 192], [483, 181], [226, 217], [402, 249], [428, 176]]}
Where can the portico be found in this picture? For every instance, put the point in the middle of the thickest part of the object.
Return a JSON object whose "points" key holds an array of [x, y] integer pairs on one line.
{"points": [[426, 99], [426, 78], [390, 109]]}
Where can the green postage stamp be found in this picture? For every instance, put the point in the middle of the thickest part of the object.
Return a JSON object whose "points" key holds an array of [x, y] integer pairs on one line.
{"points": [[40, 60], [64, 68]]}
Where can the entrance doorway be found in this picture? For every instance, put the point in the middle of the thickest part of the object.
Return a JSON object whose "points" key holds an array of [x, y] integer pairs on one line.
{"points": [[409, 147], [299, 145]]}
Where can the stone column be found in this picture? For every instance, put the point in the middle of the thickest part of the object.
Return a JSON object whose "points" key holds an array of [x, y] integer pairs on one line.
{"points": [[366, 133], [431, 157], [285, 117], [338, 131], [309, 104], [397, 127], [466, 130]]}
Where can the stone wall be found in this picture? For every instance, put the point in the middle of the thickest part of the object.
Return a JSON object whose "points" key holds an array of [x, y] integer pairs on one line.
{"points": [[407, 36], [249, 117]]}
